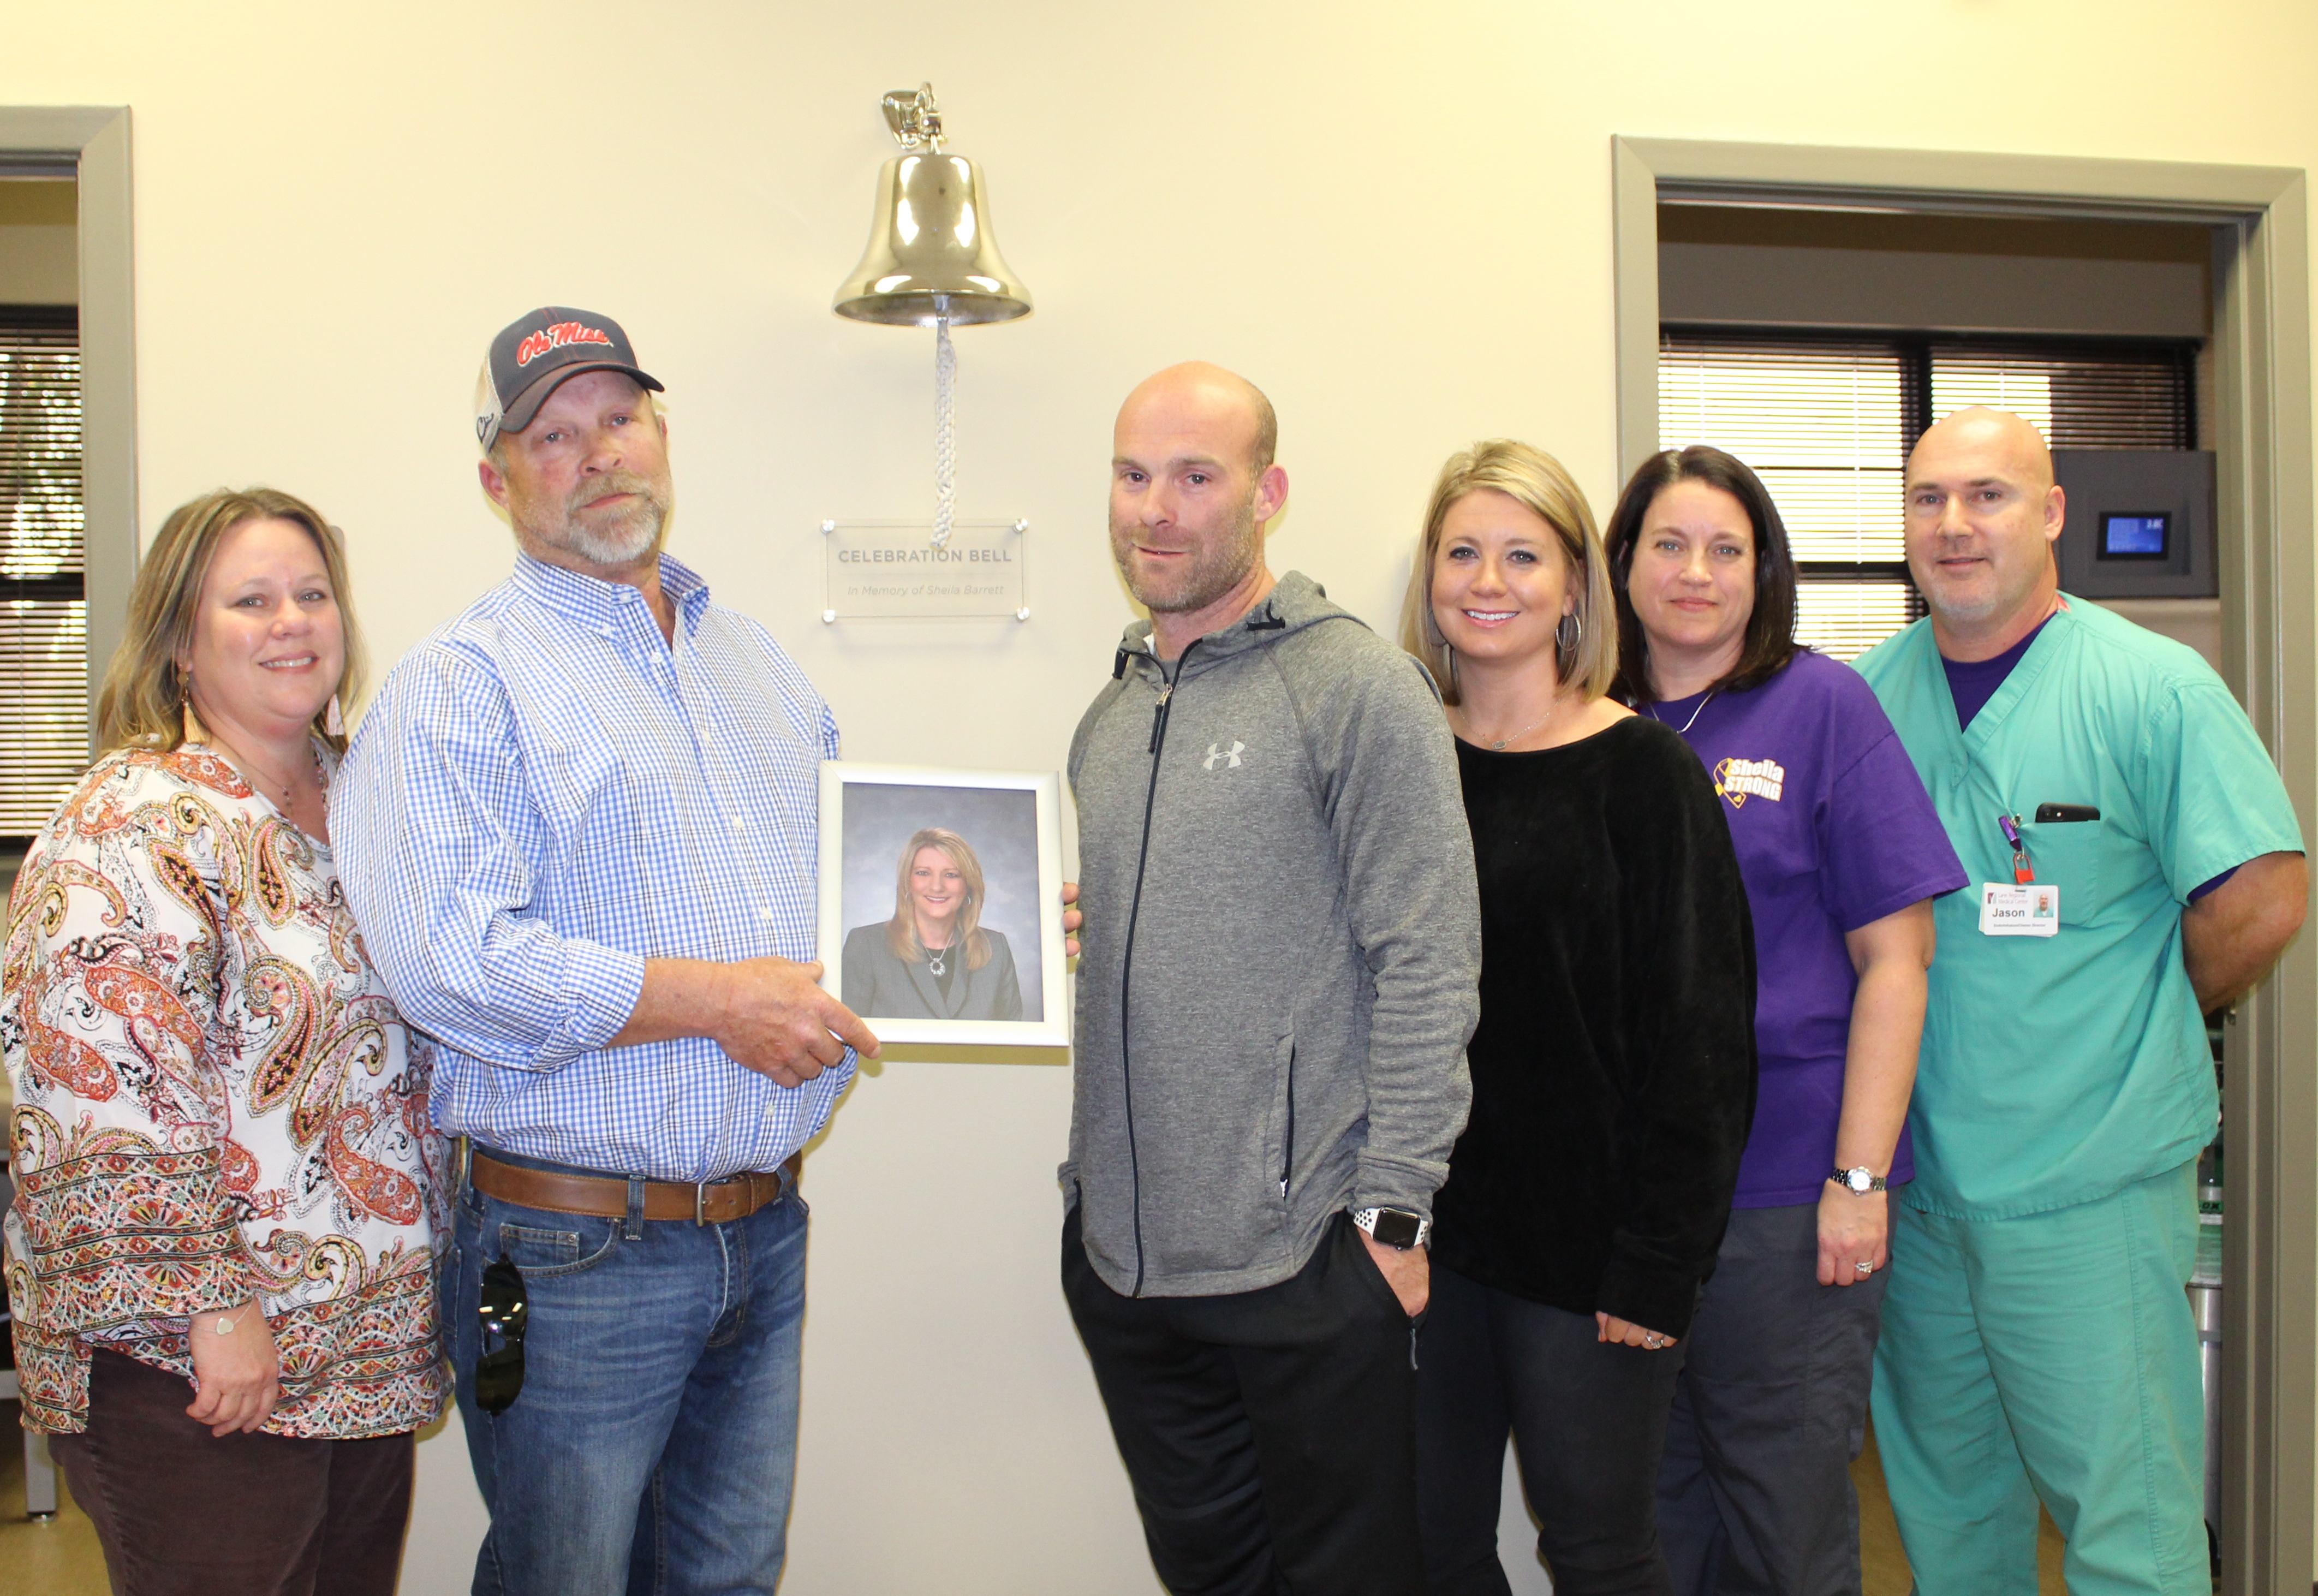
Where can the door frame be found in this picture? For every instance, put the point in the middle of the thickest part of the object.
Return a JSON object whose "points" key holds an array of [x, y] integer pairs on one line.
{"points": [[2263, 437], [91, 143]]}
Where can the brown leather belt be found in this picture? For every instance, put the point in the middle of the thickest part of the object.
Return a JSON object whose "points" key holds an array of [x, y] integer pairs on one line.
{"points": [[714, 1202]]}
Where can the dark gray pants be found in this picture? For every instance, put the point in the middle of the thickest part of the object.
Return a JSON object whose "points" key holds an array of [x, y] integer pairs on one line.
{"points": [[1755, 1493], [1586, 1419]]}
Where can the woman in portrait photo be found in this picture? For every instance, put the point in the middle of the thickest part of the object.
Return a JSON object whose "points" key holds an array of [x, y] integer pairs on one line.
{"points": [[220, 1252], [934, 959]]}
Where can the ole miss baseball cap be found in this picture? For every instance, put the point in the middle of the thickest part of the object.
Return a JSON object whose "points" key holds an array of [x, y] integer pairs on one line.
{"points": [[532, 356]]}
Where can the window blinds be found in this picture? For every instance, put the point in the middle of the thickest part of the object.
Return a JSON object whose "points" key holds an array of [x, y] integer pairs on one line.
{"points": [[43, 616], [1825, 423], [1845, 617], [2079, 398], [1822, 422], [1827, 420]]}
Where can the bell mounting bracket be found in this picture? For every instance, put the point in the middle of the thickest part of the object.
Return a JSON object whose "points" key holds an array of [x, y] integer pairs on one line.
{"points": [[915, 119]]}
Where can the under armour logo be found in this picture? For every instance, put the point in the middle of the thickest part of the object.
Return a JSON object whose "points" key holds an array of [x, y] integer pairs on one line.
{"points": [[1215, 753]]}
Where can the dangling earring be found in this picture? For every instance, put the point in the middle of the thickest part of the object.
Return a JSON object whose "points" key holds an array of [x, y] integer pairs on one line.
{"points": [[1567, 634], [333, 722]]}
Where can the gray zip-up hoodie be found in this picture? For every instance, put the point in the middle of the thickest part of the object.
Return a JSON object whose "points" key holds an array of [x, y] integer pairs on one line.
{"points": [[1283, 949]]}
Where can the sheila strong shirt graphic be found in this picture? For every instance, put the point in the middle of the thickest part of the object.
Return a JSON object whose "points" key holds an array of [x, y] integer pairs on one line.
{"points": [[1741, 779], [1833, 829]]}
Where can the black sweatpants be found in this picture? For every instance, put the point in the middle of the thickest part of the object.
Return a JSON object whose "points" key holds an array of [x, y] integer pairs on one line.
{"points": [[1755, 1497], [1588, 1418], [1270, 1435]]}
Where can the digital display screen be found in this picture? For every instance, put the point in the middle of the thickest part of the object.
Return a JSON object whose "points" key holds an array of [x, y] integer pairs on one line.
{"points": [[2137, 536]]}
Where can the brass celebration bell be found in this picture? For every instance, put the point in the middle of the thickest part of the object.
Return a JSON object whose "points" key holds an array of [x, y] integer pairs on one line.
{"points": [[931, 257]]}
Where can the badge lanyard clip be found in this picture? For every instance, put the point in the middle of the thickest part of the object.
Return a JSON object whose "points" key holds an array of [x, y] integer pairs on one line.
{"points": [[2022, 872]]}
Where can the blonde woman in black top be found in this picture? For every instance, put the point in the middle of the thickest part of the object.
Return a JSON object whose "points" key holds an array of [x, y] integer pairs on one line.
{"points": [[1613, 1068]]}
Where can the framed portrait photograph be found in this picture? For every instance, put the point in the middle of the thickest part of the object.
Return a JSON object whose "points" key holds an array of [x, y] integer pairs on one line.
{"points": [[942, 902]]}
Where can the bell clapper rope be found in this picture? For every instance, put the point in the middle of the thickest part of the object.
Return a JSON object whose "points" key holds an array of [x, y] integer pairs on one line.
{"points": [[945, 425]]}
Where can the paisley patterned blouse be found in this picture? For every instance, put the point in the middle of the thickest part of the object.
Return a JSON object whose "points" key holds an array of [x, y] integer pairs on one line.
{"points": [[215, 1098]]}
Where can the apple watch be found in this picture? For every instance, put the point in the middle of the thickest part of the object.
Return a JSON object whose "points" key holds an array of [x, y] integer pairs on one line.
{"points": [[1860, 1180], [1397, 1228]]}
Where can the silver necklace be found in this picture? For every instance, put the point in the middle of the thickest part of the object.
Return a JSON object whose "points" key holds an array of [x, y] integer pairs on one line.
{"points": [[259, 778], [935, 957], [1684, 730], [1511, 736]]}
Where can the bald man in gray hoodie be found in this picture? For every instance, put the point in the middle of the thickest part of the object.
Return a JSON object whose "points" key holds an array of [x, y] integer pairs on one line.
{"points": [[1281, 955]]}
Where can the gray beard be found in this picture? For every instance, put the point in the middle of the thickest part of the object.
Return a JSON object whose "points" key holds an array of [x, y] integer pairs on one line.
{"points": [[633, 534], [627, 540], [1969, 615], [1970, 612]]}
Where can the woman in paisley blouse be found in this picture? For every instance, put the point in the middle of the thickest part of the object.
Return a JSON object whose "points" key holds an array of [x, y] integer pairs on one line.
{"points": [[219, 1253]]}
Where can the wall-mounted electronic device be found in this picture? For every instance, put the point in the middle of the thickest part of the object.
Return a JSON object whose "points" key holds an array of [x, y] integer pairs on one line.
{"points": [[2140, 522]]}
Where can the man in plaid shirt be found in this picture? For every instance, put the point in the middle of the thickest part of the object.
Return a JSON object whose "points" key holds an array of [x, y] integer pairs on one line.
{"points": [[578, 829]]}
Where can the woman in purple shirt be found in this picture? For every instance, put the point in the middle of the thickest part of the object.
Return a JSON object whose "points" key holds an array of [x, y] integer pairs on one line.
{"points": [[1842, 852]]}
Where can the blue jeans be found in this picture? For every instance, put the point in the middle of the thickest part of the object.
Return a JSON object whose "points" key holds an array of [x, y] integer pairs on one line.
{"points": [[653, 1447]]}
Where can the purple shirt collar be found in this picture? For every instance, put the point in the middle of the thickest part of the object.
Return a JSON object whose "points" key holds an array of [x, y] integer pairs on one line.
{"points": [[1971, 683]]}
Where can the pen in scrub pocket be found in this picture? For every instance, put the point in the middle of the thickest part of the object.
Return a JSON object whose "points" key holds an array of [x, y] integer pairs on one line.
{"points": [[2022, 873]]}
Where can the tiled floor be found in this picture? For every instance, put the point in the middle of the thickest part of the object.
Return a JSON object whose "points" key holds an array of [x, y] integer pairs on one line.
{"points": [[60, 1556], [55, 1557], [1885, 1566]]}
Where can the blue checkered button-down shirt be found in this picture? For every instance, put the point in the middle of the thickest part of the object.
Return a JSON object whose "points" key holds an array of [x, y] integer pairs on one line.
{"points": [[543, 796]]}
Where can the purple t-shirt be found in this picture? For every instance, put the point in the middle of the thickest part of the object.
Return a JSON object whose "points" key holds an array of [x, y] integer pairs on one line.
{"points": [[1971, 683], [1834, 830]]}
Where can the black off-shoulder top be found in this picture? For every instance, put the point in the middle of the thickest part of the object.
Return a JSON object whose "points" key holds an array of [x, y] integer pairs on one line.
{"points": [[1613, 1069]]}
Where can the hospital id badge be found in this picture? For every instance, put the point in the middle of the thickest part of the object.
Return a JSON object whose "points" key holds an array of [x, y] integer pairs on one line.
{"points": [[2032, 910]]}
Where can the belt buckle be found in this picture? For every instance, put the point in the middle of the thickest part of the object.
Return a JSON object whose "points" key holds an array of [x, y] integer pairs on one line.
{"points": [[699, 1203]]}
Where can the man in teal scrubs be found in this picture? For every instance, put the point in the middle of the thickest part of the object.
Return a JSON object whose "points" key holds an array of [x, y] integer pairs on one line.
{"points": [[2136, 863]]}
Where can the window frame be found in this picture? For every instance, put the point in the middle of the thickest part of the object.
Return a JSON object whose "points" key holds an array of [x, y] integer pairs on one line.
{"points": [[91, 144]]}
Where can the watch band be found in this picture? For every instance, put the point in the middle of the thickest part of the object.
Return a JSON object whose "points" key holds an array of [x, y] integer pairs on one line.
{"points": [[1402, 1229], [1860, 1179]]}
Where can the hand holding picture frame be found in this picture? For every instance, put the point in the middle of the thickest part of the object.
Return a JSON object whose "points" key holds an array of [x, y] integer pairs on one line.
{"points": [[942, 909]]}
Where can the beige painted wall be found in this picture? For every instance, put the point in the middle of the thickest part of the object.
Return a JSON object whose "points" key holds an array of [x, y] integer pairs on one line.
{"points": [[1396, 218]]}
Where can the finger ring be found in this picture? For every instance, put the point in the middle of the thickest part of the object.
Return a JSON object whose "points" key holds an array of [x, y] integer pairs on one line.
{"points": [[1864, 1269], [1654, 1341]]}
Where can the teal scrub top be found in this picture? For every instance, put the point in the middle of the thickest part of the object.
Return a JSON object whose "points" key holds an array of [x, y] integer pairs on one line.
{"points": [[2059, 1069]]}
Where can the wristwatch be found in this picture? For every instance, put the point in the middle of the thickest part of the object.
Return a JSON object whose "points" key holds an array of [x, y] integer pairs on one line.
{"points": [[1397, 1228], [1861, 1180]]}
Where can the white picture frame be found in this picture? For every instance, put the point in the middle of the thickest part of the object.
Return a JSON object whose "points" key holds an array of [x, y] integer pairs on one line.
{"points": [[1011, 824]]}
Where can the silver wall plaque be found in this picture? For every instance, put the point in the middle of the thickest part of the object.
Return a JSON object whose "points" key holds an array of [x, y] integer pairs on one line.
{"points": [[897, 571]]}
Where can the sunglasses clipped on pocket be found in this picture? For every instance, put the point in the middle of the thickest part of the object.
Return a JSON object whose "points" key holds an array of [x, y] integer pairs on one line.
{"points": [[504, 1310]]}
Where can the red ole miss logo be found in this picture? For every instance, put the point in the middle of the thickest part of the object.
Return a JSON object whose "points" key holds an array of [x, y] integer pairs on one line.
{"points": [[556, 337]]}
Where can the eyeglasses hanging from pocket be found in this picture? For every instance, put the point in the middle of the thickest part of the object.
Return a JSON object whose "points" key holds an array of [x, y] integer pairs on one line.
{"points": [[505, 1311]]}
